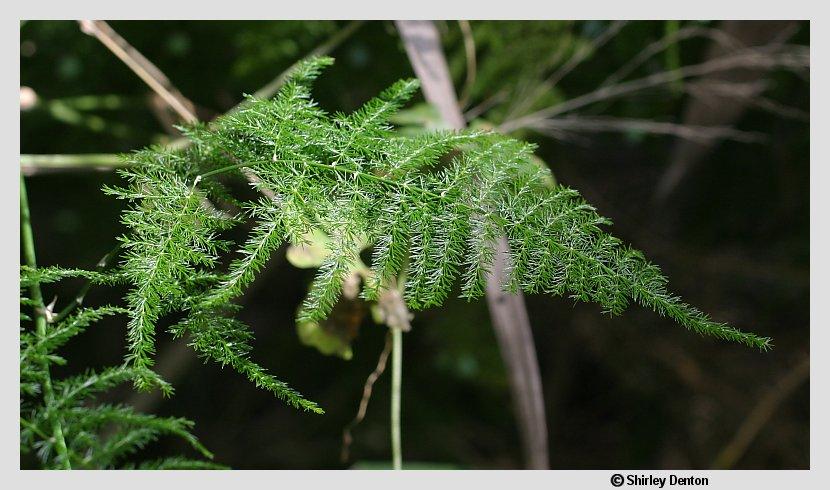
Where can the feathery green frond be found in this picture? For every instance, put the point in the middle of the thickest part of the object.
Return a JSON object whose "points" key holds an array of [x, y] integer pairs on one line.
{"points": [[75, 389], [45, 275], [431, 206], [96, 435], [227, 341], [138, 429], [173, 237]]}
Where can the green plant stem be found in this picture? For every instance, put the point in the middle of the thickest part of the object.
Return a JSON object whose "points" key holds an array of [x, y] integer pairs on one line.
{"points": [[28, 244], [33, 428], [227, 168], [672, 53], [74, 160], [332, 168], [397, 362], [102, 265], [91, 161]]}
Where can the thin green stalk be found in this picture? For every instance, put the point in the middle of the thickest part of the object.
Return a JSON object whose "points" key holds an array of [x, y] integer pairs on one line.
{"points": [[105, 262], [33, 428], [227, 168], [31, 164], [672, 53], [331, 168], [397, 358], [28, 244]]}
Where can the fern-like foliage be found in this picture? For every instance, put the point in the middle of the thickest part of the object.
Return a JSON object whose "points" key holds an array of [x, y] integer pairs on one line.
{"points": [[97, 436], [431, 206]]}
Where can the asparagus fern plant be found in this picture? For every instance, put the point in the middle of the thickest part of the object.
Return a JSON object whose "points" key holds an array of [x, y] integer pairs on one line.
{"points": [[61, 420], [430, 207]]}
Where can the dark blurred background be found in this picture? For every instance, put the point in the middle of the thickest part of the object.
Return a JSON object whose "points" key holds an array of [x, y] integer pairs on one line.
{"points": [[725, 216]]}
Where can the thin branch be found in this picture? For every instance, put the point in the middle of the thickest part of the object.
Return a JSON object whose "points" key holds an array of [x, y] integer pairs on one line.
{"points": [[573, 62], [367, 395], [397, 367], [524, 86], [154, 78], [663, 43], [32, 164], [781, 110], [715, 89], [141, 66], [470, 55], [729, 106], [749, 92], [485, 105], [795, 58], [761, 415], [583, 53], [686, 131], [28, 246], [102, 265], [34, 428]]}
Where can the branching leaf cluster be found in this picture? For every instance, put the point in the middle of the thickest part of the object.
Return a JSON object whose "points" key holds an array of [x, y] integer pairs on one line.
{"points": [[431, 208], [97, 435]]}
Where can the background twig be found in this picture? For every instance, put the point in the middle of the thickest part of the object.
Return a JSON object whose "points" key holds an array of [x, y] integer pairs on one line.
{"points": [[367, 394], [761, 414], [31, 164], [766, 57], [142, 67]]}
